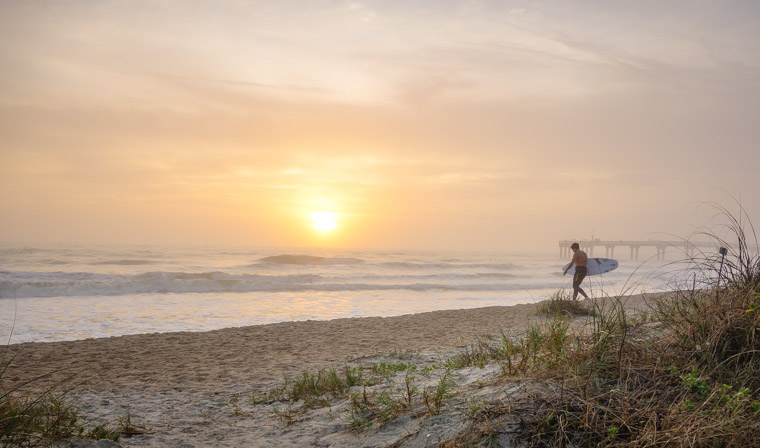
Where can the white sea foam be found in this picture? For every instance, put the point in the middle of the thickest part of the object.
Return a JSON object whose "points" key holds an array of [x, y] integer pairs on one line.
{"points": [[65, 284]]}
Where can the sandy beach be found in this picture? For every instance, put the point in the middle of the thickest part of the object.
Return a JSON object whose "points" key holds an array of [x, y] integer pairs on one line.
{"points": [[175, 383], [253, 355]]}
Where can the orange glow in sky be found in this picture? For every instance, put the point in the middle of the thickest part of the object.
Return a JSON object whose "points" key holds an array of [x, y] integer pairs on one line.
{"points": [[381, 124]]}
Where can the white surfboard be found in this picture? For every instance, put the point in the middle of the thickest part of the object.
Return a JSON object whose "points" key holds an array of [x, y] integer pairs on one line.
{"points": [[596, 266]]}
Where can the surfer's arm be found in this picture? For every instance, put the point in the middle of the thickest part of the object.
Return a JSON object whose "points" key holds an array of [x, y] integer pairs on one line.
{"points": [[572, 262]]}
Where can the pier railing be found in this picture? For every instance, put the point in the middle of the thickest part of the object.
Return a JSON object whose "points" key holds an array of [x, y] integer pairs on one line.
{"points": [[689, 248]]}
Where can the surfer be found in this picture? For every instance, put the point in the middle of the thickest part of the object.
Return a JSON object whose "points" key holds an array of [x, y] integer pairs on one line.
{"points": [[579, 260]]}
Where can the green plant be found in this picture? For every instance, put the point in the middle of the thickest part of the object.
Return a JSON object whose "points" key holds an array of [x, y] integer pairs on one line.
{"points": [[29, 420], [410, 390], [353, 376], [475, 407], [433, 398], [690, 380], [310, 386], [384, 368], [359, 422], [693, 381], [427, 369]]}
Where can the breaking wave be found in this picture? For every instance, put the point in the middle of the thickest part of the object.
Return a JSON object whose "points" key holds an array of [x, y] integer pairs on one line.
{"points": [[123, 263], [54, 284], [413, 265], [309, 259]]}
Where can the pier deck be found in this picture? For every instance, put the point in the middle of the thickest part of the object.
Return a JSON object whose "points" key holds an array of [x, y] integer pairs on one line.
{"points": [[689, 247]]}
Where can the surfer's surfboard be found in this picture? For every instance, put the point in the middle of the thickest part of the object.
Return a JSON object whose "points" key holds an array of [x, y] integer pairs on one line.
{"points": [[596, 266]]}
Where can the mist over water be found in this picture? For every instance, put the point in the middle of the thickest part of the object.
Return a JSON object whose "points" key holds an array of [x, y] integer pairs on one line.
{"points": [[53, 293]]}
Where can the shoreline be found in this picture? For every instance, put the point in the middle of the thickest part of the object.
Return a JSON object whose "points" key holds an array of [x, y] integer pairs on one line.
{"points": [[254, 354], [82, 332], [258, 354]]}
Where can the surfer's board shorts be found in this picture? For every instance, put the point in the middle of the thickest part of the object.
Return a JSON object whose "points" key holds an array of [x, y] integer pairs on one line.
{"points": [[580, 274]]}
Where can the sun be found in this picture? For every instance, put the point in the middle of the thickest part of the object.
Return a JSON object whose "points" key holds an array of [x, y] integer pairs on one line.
{"points": [[324, 221]]}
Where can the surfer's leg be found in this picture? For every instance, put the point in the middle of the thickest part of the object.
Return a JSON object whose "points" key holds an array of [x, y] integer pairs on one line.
{"points": [[580, 274], [576, 285]]}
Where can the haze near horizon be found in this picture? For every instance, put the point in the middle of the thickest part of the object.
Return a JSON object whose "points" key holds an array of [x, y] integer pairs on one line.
{"points": [[422, 125]]}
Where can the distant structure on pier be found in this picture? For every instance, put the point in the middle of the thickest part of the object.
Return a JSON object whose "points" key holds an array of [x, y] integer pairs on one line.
{"points": [[689, 247]]}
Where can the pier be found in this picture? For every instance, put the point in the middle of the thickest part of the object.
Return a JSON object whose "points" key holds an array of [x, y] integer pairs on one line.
{"points": [[689, 247]]}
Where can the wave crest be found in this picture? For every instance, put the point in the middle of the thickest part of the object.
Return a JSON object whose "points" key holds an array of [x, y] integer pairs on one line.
{"points": [[123, 263], [55, 284], [309, 259]]}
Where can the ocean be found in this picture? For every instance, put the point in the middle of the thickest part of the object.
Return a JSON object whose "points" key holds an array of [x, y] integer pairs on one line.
{"points": [[70, 292]]}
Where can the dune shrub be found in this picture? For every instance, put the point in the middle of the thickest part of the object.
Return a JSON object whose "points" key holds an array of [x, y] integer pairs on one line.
{"points": [[689, 377]]}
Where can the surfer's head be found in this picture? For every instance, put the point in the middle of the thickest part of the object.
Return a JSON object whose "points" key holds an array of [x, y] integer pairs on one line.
{"points": [[575, 246]]}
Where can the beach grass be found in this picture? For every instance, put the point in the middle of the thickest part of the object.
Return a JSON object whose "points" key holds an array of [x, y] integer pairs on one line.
{"points": [[31, 416], [31, 420], [689, 375], [561, 303]]}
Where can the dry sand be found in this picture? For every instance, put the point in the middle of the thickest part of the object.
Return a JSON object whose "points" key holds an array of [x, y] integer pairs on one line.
{"points": [[181, 385]]}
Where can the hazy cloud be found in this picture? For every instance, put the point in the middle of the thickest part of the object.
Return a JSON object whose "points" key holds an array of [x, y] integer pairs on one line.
{"points": [[523, 122]]}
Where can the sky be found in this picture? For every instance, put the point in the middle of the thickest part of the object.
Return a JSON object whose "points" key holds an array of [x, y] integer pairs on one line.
{"points": [[456, 125]]}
